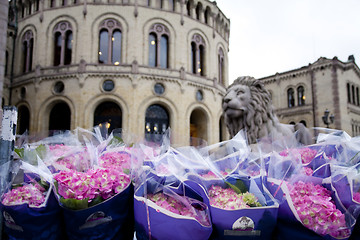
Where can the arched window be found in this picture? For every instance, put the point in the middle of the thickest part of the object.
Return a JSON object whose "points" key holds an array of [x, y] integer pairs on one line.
{"points": [[207, 15], [156, 122], [348, 92], [110, 39], [152, 50], [198, 127], [60, 117], [63, 40], [301, 96], [198, 55], [110, 114], [221, 66], [159, 53], [303, 122], [290, 97], [23, 119], [188, 8], [27, 51], [198, 10]]}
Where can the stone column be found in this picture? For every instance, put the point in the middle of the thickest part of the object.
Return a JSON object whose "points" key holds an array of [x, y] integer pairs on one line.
{"points": [[4, 9]]}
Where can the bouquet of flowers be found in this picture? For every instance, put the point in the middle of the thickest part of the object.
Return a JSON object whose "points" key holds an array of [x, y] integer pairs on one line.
{"points": [[95, 193], [29, 206], [239, 203], [159, 209], [309, 208], [165, 204], [239, 206]]}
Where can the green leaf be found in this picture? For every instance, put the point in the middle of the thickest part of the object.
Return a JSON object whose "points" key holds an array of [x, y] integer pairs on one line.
{"points": [[44, 184], [239, 187], [126, 171], [96, 201], [56, 186], [74, 204], [20, 152], [41, 151], [116, 140]]}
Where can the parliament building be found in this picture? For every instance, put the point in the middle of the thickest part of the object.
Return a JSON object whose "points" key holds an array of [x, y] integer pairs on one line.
{"points": [[138, 65]]}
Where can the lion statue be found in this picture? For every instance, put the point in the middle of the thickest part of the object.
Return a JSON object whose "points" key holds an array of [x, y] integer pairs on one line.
{"points": [[247, 105]]}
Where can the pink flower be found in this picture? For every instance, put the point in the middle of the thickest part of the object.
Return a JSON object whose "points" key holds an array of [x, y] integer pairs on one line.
{"points": [[308, 171], [91, 184], [121, 160], [178, 207], [356, 197], [211, 174], [316, 209], [307, 154], [228, 199], [28, 193], [72, 157]]}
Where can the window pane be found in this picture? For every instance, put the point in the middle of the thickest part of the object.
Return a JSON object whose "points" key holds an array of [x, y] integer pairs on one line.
{"points": [[164, 51], [301, 96], [171, 5], [31, 46], [156, 123], [116, 47], [24, 50], [57, 49], [152, 50], [193, 57], [206, 16], [202, 54], [68, 47], [291, 100], [353, 94], [103, 46], [198, 9]]}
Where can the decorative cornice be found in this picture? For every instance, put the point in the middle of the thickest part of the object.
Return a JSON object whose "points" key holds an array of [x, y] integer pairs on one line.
{"points": [[319, 65], [286, 112]]}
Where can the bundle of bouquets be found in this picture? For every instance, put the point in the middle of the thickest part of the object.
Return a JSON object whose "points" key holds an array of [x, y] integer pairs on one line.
{"points": [[165, 207], [309, 208], [97, 196], [28, 204]]}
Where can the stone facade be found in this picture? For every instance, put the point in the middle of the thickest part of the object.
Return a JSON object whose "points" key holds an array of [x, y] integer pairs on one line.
{"points": [[77, 83], [4, 6], [303, 95]]}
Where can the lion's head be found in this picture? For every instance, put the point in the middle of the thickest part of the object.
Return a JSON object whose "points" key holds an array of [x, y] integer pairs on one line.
{"points": [[247, 105]]}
